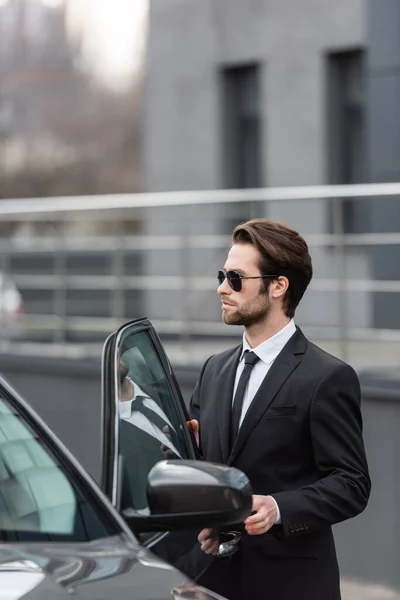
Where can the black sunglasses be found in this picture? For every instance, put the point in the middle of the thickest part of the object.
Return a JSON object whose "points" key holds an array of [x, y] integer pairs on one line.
{"points": [[235, 279]]}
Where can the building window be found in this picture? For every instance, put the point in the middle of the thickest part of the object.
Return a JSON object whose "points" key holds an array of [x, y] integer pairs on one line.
{"points": [[346, 127], [241, 118]]}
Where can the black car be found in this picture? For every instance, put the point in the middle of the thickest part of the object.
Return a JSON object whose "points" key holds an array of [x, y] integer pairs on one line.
{"points": [[63, 536]]}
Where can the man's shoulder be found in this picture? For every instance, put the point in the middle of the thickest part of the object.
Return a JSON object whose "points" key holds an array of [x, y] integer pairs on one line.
{"points": [[328, 362], [221, 357]]}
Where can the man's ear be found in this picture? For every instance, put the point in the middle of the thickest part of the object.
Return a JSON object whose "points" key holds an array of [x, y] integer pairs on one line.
{"points": [[279, 287]]}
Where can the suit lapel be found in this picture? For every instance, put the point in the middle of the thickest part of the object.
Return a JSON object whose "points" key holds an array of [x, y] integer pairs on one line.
{"points": [[131, 436], [283, 366], [224, 394]]}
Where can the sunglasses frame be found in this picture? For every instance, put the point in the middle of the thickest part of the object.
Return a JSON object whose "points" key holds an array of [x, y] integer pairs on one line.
{"points": [[222, 275]]}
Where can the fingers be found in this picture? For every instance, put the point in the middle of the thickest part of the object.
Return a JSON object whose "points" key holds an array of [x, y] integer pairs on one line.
{"points": [[258, 502], [259, 528], [193, 426], [204, 534], [264, 508], [259, 523], [257, 518], [256, 526], [167, 452], [264, 518], [209, 544]]}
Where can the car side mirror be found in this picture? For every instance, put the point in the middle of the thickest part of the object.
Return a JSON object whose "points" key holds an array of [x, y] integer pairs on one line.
{"points": [[188, 494]]}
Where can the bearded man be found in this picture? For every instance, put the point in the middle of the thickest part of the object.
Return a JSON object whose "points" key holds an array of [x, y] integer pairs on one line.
{"points": [[287, 414]]}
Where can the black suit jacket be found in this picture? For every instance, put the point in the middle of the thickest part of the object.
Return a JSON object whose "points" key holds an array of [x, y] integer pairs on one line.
{"points": [[139, 453], [300, 441]]}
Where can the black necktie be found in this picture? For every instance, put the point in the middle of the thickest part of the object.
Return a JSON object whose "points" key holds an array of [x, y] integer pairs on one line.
{"points": [[250, 360], [138, 405]]}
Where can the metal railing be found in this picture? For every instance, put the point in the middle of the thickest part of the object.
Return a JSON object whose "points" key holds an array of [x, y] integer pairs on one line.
{"points": [[87, 264]]}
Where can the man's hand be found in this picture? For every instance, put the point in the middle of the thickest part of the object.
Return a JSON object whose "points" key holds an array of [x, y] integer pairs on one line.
{"points": [[168, 453], [193, 426], [265, 515], [209, 541]]}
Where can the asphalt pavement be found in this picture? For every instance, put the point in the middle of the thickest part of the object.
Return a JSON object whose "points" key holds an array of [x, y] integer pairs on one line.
{"points": [[355, 590]]}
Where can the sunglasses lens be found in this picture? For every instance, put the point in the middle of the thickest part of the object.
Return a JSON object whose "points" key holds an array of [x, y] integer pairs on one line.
{"points": [[221, 277], [234, 280]]}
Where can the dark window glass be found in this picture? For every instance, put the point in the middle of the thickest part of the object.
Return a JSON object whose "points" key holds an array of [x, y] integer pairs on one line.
{"points": [[241, 117], [346, 129]]}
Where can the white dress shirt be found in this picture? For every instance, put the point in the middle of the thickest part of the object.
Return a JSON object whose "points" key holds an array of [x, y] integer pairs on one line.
{"points": [[142, 421], [267, 353]]}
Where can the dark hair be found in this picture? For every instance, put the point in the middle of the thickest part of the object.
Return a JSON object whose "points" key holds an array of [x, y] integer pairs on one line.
{"points": [[283, 251]]}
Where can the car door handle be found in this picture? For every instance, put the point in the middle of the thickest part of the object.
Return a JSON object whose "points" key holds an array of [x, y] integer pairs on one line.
{"points": [[229, 543]]}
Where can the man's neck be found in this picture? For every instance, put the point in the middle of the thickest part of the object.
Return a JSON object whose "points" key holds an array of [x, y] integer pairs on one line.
{"points": [[261, 332]]}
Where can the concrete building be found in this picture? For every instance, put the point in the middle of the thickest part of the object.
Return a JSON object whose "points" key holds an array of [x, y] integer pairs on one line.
{"points": [[282, 47], [250, 93]]}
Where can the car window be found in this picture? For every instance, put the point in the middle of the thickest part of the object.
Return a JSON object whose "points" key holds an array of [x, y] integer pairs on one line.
{"points": [[39, 499], [151, 419]]}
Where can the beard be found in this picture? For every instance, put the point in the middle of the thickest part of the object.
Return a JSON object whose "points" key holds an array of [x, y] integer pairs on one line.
{"points": [[251, 313]]}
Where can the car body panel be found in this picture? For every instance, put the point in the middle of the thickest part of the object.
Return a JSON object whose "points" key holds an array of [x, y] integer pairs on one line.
{"points": [[108, 568]]}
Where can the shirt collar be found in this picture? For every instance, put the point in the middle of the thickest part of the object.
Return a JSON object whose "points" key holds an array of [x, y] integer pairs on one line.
{"points": [[269, 350], [125, 407]]}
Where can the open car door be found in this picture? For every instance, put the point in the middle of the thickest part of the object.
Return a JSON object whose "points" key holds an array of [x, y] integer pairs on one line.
{"points": [[140, 389], [151, 470]]}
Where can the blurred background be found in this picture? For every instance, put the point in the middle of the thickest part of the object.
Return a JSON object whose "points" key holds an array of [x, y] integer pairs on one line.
{"points": [[135, 135]]}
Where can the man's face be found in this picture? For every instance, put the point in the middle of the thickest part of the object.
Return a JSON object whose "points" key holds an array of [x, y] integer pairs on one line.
{"points": [[125, 385], [252, 304]]}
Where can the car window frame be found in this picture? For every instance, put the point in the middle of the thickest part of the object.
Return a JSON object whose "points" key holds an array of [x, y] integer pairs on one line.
{"points": [[110, 433]]}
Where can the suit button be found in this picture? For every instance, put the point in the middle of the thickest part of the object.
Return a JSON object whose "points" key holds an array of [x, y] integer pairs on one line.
{"points": [[291, 530], [306, 526], [301, 527], [296, 528]]}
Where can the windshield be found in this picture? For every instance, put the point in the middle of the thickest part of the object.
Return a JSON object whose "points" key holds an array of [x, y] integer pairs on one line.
{"points": [[40, 498]]}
